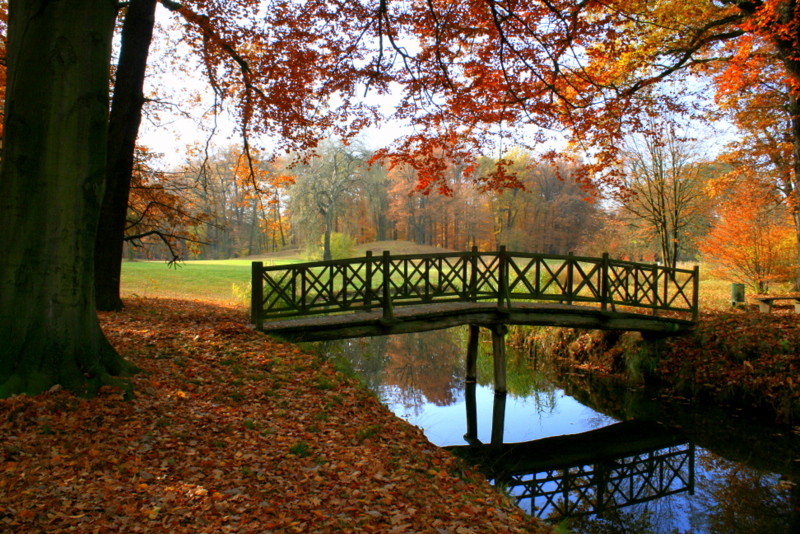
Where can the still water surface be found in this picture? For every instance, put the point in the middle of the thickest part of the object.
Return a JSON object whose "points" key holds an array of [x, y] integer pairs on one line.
{"points": [[704, 471]]}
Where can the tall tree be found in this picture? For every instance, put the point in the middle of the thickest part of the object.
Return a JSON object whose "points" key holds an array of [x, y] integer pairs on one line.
{"points": [[123, 129], [755, 96], [160, 212], [375, 193], [324, 184], [751, 239], [270, 64], [549, 213], [664, 178], [51, 182]]}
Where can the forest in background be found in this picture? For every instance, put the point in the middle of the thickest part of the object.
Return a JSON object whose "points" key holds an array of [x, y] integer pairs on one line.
{"points": [[678, 205]]}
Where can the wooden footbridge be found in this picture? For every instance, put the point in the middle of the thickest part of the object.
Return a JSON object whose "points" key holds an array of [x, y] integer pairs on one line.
{"points": [[381, 295]]}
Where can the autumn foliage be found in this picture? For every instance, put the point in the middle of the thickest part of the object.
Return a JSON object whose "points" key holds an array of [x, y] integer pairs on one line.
{"points": [[229, 432], [466, 74], [743, 359], [159, 210], [752, 240], [739, 358]]}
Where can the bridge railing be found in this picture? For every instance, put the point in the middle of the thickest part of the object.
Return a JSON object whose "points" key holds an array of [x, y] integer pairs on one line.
{"points": [[612, 483], [386, 281]]}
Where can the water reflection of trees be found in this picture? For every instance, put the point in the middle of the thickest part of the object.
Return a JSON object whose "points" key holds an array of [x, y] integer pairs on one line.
{"points": [[593, 496], [408, 369], [412, 369], [522, 380], [730, 498], [433, 365], [655, 517], [733, 498], [615, 522]]}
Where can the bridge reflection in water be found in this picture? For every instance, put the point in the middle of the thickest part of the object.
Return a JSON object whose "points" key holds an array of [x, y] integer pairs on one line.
{"points": [[588, 473]]}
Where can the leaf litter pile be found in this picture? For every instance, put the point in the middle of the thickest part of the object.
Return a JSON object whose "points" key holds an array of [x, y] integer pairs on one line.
{"points": [[229, 431], [745, 358]]}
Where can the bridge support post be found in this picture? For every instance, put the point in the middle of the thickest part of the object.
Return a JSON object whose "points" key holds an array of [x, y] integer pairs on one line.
{"points": [[498, 417], [368, 282], [471, 436], [386, 267], [499, 332], [472, 353], [257, 295]]}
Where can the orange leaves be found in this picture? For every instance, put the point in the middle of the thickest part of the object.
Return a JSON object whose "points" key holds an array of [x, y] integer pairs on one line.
{"points": [[212, 442], [752, 240], [284, 67], [462, 71]]}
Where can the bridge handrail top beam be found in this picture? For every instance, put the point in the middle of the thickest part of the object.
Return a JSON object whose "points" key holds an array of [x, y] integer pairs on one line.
{"points": [[468, 254], [363, 259], [642, 265]]}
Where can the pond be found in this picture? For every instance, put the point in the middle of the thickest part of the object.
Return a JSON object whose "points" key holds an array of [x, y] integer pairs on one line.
{"points": [[584, 453]]}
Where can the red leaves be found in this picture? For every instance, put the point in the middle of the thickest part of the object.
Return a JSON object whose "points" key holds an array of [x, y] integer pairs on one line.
{"points": [[229, 431]]}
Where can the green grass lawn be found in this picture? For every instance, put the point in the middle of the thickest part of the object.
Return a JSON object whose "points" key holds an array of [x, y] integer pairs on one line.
{"points": [[202, 280], [225, 281]]}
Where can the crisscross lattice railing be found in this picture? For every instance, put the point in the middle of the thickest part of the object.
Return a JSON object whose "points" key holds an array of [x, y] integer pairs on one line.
{"points": [[591, 489], [383, 282]]}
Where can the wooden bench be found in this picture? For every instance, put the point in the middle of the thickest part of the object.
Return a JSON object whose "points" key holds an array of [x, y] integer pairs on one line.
{"points": [[765, 302]]}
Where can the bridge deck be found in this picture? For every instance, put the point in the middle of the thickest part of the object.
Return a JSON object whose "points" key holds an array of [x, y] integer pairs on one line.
{"points": [[435, 316]]}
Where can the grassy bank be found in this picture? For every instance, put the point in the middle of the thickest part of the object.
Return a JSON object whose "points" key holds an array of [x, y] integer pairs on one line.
{"points": [[225, 281]]}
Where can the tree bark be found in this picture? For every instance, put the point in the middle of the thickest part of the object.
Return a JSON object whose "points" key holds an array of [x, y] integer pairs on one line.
{"points": [[793, 200], [123, 128], [51, 183], [326, 240]]}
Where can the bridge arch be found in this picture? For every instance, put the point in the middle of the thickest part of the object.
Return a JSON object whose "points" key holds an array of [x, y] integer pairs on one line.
{"points": [[386, 294]]}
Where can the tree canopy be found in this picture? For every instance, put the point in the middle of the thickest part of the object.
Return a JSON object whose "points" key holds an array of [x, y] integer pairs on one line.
{"points": [[467, 75]]}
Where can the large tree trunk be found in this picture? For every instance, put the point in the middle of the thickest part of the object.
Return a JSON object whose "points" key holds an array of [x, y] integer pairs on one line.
{"points": [[51, 182], [794, 194], [123, 128]]}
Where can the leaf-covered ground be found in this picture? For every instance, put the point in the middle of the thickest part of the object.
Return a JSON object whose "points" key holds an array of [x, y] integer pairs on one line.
{"points": [[229, 431], [746, 358], [742, 358]]}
